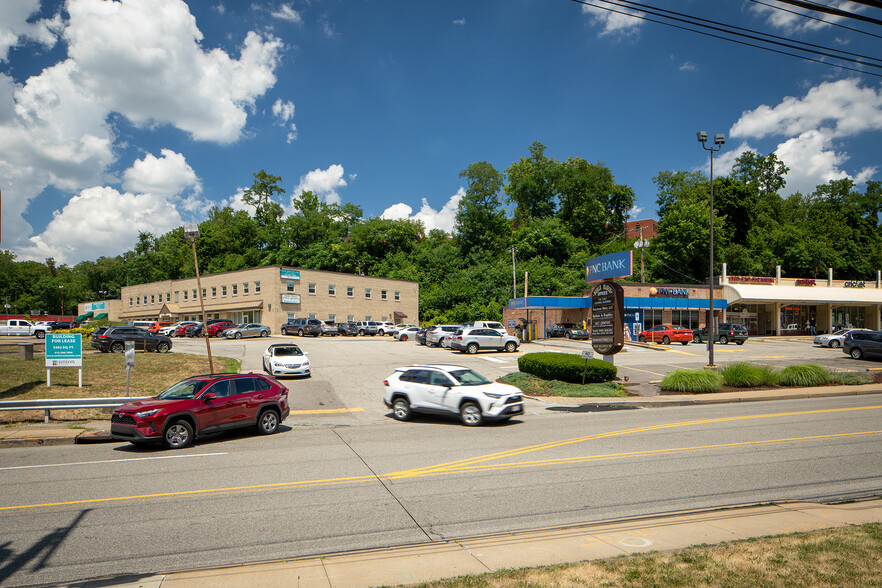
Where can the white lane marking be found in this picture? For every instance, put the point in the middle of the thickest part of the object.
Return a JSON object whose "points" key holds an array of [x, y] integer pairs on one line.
{"points": [[58, 465], [494, 360]]}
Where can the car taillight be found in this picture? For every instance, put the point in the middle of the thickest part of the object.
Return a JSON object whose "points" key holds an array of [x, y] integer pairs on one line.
{"points": [[284, 391], [385, 382]]}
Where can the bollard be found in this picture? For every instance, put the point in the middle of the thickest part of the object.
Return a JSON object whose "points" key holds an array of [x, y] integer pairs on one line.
{"points": [[26, 351]]}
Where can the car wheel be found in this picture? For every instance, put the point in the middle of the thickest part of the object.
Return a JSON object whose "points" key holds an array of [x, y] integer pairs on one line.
{"points": [[403, 338], [666, 340], [268, 422], [284, 331], [724, 340], [567, 335], [834, 344], [299, 332], [381, 333], [511, 346], [361, 332], [472, 348], [471, 414], [739, 342], [117, 347], [401, 409], [685, 342], [162, 347], [40, 334], [856, 353], [696, 338], [178, 435], [642, 339], [264, 333], [238, 335]]}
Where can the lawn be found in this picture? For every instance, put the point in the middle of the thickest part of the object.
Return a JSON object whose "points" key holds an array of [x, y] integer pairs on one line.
{"points": [[535, 386]]}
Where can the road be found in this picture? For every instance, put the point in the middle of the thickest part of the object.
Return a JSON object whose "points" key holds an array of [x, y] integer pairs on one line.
{"points": [[342, 481]]}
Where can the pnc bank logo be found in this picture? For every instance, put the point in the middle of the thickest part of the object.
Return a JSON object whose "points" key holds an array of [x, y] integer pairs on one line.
{"points": [[668, 291]]}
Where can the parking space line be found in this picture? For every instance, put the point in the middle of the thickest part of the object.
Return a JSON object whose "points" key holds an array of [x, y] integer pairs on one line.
{"points": [[327, 411]]}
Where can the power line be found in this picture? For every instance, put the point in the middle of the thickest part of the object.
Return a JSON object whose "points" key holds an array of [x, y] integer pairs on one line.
{"points": [[835, 11], [810, 17]]}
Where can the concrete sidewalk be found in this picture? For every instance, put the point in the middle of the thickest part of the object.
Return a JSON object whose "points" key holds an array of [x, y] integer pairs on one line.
{"points": [[477, 555]]}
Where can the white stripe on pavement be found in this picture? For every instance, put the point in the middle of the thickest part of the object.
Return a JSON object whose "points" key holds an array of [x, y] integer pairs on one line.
{"points": [[57, 465]]}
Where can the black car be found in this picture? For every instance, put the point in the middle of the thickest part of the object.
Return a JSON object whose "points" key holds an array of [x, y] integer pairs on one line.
{"points": [[568, 330], [113, 339], [863, 344], [61, 325], [421, 336], [725, 332], [348, 329]]}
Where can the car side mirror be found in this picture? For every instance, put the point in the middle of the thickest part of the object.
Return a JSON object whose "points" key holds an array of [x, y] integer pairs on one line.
{"points": [[208, 396], [306, 353]]}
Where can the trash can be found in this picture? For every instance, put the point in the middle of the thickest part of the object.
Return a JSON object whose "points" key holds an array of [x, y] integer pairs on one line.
{"points": [[26, 351]]}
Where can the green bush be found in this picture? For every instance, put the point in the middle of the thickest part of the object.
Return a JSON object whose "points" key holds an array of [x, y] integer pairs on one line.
{"points": [[804, 375], [566, 367], [850, 378], [748, 375], [692, 381]]}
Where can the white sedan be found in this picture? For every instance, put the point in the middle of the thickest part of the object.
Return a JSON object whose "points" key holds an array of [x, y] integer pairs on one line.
{"points": [[834, 340], [406, 333], [286, 359]]}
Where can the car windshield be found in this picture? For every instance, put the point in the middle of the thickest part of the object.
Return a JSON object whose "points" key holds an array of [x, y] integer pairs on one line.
{"points": [[185, 389], [287, 351], [676, 327], [469, 378], [569, 325], [841, 332]]}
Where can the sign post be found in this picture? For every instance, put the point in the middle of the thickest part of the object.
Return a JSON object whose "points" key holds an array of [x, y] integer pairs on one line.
{"points": [[64, 350]]}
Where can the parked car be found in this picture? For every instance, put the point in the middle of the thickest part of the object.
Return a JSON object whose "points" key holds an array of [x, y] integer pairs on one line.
{"points": [[62, 325], [349, 328], [435, 336], [385, 328], [247, 330], [863, 344], [406, 333], [157, 325], [449, 389], [216, 329], [180, 329], [21, 327], [200, 405], [725, 332], [486, 324], [421, 336], [302, 326], [113, 340], [286, 359], [194, 330], [665, 334], [568, 330], [472, 340], [329, 328], [834, 340], [367, 328]]}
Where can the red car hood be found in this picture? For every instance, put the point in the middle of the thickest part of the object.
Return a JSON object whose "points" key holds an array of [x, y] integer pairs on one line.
{"points": [[147, 404]]}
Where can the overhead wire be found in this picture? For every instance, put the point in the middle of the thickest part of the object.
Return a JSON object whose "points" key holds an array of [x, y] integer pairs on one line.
{"points": [[810, 17], [835, 11]]}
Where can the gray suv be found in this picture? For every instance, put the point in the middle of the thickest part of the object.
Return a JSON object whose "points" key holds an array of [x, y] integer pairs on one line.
{"points": [[435, 337], [861, 344], [472, 340], [303, 326]]}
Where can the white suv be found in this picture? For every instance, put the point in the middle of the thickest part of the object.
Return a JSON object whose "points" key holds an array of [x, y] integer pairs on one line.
{"points": [[385, 328], [450, 389]]}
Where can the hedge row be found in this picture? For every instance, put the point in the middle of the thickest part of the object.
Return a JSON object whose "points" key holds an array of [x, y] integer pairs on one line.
{"points": [[566, 367]]}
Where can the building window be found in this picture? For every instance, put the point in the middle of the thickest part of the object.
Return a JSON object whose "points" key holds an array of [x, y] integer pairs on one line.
{"points": [[235, 289], [257, 287], [350, 318], [350, 291], [194, 293], [332, 317], [311, 315], [290, 286], [213, 292], [130, 302], [367, 317], [185, 295], [312, 289], [204, 292], [223, 291], [332, 290], [168, 296], [152, 299], [397, 296], [382, 295], [138, 301], [367, 295], [244, 288]]}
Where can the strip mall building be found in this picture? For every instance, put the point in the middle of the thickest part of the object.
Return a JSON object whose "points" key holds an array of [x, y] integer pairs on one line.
{"points": [[766, 305]]}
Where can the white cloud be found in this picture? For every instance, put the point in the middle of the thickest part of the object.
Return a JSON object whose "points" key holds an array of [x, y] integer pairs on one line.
{"points": [[614, 23], [444, 219], [688, 66], [792, 23], [14, 26], [323, 183], [167, 176], [284, 112], [815, 127], [634, 211], [235, 202], [285, 12], [459, 21]]}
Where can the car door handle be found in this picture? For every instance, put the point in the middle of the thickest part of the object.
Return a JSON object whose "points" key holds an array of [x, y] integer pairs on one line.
{"points": [[259, 396]]}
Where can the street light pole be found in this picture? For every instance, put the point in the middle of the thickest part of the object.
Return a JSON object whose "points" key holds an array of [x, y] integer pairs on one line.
{"points": [[62, 302], [191, 231], [719, 140]]}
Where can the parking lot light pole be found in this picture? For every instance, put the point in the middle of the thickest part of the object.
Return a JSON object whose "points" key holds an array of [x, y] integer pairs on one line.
{"points": [[719, 139], [191, 231], [62, 303]]}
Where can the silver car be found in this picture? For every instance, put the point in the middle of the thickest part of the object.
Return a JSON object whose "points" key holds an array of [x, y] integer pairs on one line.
{"points": [[472, 340], [436, 337], [249, 330], [834, 340]]}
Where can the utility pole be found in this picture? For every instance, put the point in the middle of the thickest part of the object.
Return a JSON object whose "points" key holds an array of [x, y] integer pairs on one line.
{"points": [[514, 278]]}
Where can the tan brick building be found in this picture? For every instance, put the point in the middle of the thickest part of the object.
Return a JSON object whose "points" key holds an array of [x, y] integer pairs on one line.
{"points": [[273, 295]]}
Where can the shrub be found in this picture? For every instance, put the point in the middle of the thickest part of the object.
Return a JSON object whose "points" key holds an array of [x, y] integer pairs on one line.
{"points": [[692, 381], [804, 375], [748, 375], [566, 367], [850, 378]]}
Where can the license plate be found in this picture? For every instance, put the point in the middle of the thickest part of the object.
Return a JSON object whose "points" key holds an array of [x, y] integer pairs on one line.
{"points": [[515, 409]]}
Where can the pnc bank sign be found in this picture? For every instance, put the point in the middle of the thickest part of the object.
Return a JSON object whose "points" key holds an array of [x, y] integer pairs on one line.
{"points": [[608, 267]]}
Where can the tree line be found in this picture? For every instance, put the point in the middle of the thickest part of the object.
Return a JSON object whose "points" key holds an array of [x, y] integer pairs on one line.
{"points": [[548, 217]]}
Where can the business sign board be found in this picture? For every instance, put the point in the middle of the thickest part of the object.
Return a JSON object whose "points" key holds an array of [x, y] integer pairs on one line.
{"points": [[64, 350], [607, 318], [290, 274], [94, 306], [609, 267], [291, 298]]}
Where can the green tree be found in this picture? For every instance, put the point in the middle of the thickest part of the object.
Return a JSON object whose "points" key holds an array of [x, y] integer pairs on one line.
{"points": [[532, 184], [480, 221], [765, 174]]}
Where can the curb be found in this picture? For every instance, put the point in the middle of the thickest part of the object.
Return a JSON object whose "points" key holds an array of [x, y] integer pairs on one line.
{"points": [[88, 438]]}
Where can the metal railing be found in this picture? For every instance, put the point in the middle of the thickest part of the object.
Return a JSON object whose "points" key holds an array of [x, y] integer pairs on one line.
{"points": [[49, 404]]}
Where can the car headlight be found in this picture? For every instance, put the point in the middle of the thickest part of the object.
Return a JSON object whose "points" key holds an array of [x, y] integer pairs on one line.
{"points": [[494, 395], [147, 413]]}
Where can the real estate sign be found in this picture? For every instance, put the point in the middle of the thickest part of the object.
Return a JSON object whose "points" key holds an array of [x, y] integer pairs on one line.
{"points": [[64, 350]]}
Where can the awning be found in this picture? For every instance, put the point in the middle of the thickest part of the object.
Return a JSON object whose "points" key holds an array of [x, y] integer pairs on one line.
{"points": [[100, 316], [757, 294], [83, 317], [398, 314]]}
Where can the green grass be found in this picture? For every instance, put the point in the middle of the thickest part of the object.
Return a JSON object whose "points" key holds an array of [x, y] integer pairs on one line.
{"points": [[850, 378], [804, 376], [748, 375], [692, 381], [534, 386]]}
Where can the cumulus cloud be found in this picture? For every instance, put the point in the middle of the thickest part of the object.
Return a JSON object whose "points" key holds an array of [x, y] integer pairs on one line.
{"points": [[14, 26], [614, 23], [792, 22], [815, 128], [444, 219], [323, 183], [141, 59], [285, 12]]}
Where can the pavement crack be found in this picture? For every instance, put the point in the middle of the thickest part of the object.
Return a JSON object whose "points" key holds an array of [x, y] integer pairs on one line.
{"points": [[385, 485]]}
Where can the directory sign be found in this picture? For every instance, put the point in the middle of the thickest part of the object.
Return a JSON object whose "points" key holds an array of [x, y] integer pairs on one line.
{"points": [[607, 318], [64, 350]]}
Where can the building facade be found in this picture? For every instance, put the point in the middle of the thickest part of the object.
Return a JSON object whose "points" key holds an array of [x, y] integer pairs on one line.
{"points": [[272, 296]]}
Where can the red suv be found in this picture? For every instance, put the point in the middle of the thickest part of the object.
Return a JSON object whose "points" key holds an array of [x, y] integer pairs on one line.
{"points": [[201, 405]]}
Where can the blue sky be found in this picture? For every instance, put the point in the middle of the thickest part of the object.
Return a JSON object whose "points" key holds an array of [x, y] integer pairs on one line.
{"points": [[120, 117]]}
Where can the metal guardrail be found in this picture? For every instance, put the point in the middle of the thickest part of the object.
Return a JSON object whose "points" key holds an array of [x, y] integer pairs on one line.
{"points": [[49, 404]]}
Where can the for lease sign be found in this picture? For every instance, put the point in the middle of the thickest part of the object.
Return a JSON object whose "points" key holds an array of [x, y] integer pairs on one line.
{"points": [[64, 350], [608, 267]]}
